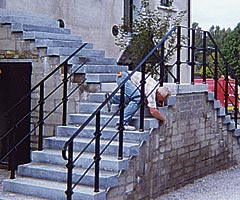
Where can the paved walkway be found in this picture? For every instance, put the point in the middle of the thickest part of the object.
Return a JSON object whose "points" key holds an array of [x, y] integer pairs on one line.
{"points": [[223, 185], [4, 174]]}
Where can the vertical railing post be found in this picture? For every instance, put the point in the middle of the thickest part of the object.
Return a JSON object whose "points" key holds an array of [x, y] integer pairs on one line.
{"points": [[216, 73], [64, 98], [142, 82], [121, 125], [40, 118], [97, 157], [204, 56], [162, 67], [178, 53], [70, 166], [193, 57], [236, 101], [227, 83]]}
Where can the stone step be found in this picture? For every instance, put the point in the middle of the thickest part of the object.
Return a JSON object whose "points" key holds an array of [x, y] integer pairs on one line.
{"points": [[102, 69], [108, 162], [129, 148], [66, 51], [19, 27], [149, 123], [128, 136], [61, 43], [58, 173], [91, 60], [32, 35], [90, 107], [50, 189], [108, 87], [100, 77], [19, 19]]}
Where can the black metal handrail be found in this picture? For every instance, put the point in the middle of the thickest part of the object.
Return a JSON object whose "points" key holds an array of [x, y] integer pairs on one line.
{"points": [[67, 151], [40, 106], [173, 71], [217, 72]]}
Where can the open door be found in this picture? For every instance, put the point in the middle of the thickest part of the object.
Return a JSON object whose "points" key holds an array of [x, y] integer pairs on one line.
{"points": [[15, 104]]}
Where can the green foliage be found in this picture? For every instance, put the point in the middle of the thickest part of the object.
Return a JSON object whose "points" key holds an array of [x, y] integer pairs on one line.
{"points": [[148, 28], [221, 36], [231, 50]]}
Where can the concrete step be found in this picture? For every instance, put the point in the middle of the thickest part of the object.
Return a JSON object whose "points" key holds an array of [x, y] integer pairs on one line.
{"points": [[129, 148], [32, 35], [61, 43], [108, 162], [108, 87], [50, 189], [81, 118], [100, 77], [129, 136], [66, 51], [102, 69], [19, 19], [91, 60], [19, 27], [90, 107], [58, 173]]}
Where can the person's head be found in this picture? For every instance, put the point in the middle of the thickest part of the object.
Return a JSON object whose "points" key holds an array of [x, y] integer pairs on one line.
{"points": [[163, 93]]}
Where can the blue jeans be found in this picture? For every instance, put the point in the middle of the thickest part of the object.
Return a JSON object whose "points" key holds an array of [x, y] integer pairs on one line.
{"points": [[131, 98]]}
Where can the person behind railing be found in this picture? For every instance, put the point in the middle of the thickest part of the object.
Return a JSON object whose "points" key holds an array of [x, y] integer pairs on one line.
{"points": [[155, 97]]}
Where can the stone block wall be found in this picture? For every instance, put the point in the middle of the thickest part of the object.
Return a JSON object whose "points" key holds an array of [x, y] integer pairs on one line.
{"points": [[14, 49], [195, 142]]}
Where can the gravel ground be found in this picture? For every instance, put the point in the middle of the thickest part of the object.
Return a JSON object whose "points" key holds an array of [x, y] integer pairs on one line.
{"points": [[223, 185]]}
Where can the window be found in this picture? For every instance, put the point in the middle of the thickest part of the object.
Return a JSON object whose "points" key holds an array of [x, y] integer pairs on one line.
{"points": [[165, 2]]}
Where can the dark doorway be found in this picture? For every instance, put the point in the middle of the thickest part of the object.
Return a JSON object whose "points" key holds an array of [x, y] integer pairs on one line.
{"points": [[15, 101]]}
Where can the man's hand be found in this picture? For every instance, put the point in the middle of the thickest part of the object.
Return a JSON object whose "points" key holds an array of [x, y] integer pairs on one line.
{"points": [[156, 113]]}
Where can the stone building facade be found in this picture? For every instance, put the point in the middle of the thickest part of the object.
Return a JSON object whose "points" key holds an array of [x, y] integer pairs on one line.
{"points": [[92, 19]]}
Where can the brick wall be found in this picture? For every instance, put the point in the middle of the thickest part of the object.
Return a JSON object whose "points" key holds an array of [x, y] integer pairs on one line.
{"points": [[194, 142]]}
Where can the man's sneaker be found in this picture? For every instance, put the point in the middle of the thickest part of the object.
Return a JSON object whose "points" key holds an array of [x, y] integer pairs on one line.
{"points": [[126, 127], [129, 128], [109, 105]]}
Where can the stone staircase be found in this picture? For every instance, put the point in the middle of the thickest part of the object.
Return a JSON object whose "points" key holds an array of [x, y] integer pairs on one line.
{"points": [[45, 176]]}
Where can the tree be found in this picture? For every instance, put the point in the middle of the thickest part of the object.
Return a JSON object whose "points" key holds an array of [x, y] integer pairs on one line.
{"points": [[148, 28], [231, 51], [219, 35]]}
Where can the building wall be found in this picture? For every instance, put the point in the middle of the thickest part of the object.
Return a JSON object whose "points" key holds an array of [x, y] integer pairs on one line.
{"points": [[194, 143], [15, 49], [92, 19]]}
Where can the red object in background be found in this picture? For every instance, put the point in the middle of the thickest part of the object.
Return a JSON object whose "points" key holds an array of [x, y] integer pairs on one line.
{"points": [[221, 90]]}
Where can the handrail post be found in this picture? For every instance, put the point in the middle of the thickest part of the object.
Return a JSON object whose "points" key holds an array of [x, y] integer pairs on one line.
{"points": [[64, 99], [97, 157], [121, 126], [192, 57], [41, 116], [162, 68], [236, 102], [70, 167], [216, 73], [226, 92], [204, 56], [142, 82], [178, 53]]}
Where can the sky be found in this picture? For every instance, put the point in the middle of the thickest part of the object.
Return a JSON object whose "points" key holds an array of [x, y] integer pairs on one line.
{"points": [[225, 13]]}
